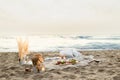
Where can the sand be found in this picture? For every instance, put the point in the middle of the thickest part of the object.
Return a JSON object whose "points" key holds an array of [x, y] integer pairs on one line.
{"points": [[107, 69]]}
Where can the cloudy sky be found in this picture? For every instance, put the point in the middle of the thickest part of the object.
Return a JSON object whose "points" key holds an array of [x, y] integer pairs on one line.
{"points": [[84, 17]]}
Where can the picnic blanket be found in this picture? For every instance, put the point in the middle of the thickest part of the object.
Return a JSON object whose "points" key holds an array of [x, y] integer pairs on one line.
{"points": [[50, 62], [82, 60]]}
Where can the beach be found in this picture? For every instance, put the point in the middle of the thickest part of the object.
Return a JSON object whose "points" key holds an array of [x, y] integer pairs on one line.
{"points": [[108, 68]]}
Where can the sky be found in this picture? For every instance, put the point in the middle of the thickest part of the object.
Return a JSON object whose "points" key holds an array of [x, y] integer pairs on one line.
{"points": [[83, 17]]}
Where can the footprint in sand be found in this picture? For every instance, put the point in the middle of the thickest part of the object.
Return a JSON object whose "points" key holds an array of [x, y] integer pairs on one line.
{"points": [[117, 77], [111, 72], [69, 77], [101, 70], [4, 76]]}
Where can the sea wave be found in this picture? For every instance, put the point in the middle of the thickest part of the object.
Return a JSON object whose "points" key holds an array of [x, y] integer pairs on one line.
{"points": [[56, 43]]}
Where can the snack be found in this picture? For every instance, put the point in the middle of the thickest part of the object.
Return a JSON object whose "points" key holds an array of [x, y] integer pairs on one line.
{"points": [[60, 62], [71, 61]]}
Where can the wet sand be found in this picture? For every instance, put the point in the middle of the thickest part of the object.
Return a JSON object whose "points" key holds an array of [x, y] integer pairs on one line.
{"points": [[107, 69]]}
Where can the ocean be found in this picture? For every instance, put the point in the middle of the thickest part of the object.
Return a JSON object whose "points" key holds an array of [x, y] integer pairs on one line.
{"points": [[58, 42]]}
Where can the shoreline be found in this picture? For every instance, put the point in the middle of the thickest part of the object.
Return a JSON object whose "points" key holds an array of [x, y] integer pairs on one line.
{"points": [[59, 50], [108, 68]]}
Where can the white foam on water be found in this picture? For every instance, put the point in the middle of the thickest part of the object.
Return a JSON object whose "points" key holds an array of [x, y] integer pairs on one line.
{"points": [[57, 43]]}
